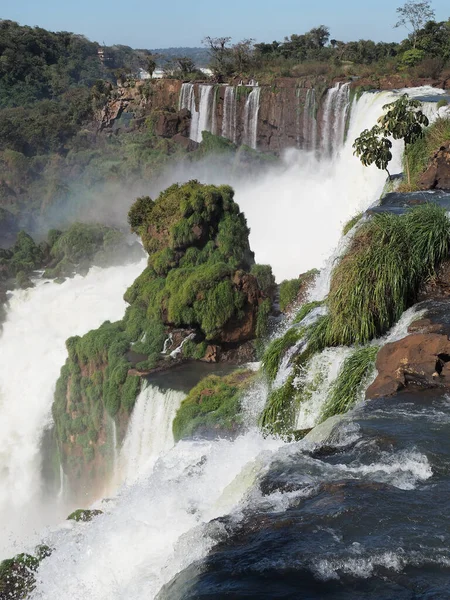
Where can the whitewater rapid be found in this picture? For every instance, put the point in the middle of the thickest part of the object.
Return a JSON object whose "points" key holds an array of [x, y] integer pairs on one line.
{"points": [[32, 352]]}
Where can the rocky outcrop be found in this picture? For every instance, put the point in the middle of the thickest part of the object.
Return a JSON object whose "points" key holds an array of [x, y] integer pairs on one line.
{"points": [[419, 360], [169, 123], [437, 175], [196, 300]]}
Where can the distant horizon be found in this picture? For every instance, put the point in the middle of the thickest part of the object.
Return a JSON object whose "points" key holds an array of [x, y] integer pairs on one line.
{"points": [[106, 22]]}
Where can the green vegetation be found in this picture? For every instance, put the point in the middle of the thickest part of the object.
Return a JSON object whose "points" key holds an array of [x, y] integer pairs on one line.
{"points": [[304, 310], [351, 223], [354, 371], [417, 155], [196, 280], [276, 349], [17, 575], [84, 515], [213, 406], [65, 253], [389, 259], [279, 412], [402, 120], [424, 53], [290, 288], [379, 277]]}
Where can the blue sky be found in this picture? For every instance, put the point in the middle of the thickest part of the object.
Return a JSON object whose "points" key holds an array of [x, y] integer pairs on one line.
{"points": [[163, 23]]}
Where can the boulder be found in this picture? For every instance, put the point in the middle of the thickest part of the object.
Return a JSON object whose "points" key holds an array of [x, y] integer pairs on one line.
{"points": [[437, 175], [419, 360]]}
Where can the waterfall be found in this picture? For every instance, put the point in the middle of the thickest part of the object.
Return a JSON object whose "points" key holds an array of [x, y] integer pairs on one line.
{"points": [[201, 119], [215, 91], [115, 445], [150, 431], [310, 121], [182, 500], [314, 193], [337, 105], [32, 351], [229, 113], [251, 112]]}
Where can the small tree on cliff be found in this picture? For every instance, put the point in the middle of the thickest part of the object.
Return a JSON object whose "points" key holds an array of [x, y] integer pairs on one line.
{"points": [[402, 120], [414, 15]]}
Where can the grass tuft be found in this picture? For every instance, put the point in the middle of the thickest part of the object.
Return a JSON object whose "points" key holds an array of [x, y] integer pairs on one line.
{"points": [[354, 371]]}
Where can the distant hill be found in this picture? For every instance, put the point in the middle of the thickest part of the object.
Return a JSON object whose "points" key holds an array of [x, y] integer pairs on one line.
{"points": [[199, 55]]}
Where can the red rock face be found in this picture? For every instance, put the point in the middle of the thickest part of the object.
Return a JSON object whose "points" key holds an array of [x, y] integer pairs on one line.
{"points": [[437, 175], [418, 360]]}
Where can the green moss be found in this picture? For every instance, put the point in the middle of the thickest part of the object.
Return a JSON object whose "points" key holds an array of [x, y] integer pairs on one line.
{"points": [[199, 254], [17, 576], [213, 406], [354, 371]]}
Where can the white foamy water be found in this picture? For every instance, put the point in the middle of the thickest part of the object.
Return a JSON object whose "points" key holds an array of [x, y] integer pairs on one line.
{"points": [[313, 197], [149, 432], [32, 351], [154, 527]]}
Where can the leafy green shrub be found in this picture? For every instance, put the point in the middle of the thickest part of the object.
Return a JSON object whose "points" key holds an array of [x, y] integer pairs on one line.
{"points": [[265, 278], [442, 102]]}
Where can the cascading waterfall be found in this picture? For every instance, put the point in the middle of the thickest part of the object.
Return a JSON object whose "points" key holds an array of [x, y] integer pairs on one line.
{"points": [[315, 192], [149, 433], [201, 119], [251, 112], [32, 351], [229, 113], [310, 121], [337, 105], [167, 516]]}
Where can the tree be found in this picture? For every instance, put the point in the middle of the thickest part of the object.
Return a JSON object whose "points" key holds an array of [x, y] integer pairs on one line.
{"points": [[373, 147], [413, 15], [402, 120], [220, 52], [151, 65], [185, 64], [318, 36]]}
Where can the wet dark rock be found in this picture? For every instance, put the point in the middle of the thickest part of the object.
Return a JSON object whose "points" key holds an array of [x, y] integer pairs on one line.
{"points": [[398, 203]]}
